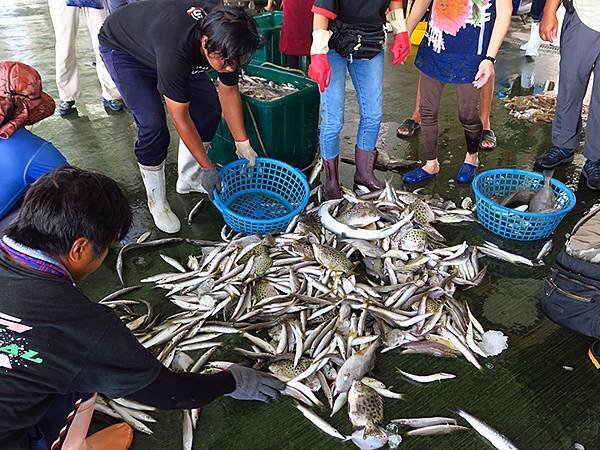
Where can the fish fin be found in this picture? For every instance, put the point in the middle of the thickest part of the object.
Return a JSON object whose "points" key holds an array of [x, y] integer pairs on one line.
{"points": [[456, 410], [548, 174], [372, 430]]}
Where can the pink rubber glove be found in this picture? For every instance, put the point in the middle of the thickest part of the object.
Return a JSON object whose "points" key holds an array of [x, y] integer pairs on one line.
{"points": [[400, 48], [319, 70]]}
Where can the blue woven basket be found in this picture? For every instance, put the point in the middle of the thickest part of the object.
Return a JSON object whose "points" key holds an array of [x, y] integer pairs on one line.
{"points": [[512, 224], [261, 199]]}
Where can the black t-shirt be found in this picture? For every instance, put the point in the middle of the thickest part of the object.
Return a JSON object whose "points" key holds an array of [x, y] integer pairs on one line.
{"points": [[164, 35], [353, 12], [54, 340]]}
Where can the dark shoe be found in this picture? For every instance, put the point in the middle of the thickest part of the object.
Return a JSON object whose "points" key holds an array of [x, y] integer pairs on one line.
{"points": [[466, 173], [65, 107], [591, 172], [418, 175], [113, 105], [411, 126], [332, 183], [365, 164], [594, 354], [555, 157]]}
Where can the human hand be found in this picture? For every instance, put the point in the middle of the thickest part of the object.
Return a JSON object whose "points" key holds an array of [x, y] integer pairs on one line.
{"points": [[549, 27], [320, 71], [251, 384], [485, 72], [400, 48], [210, 179], [243, 149]]}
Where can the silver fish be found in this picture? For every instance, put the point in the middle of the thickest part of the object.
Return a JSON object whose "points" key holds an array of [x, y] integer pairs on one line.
{"points": [[355, 367], [495, 438], [544, 200]]}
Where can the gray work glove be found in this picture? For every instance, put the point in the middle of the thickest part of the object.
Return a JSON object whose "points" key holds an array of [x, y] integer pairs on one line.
{"points": [[210, 179], [251, 384]]}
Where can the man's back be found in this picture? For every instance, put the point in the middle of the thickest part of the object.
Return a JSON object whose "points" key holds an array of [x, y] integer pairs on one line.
{"points": [[53, 340]]}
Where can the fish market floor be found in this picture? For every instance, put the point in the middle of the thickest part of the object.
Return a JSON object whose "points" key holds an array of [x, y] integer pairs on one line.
{"points": [[525, 392]]}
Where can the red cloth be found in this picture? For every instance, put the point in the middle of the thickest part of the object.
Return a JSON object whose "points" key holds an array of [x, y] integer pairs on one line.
{"points": [[296, 31], [22, 101]]}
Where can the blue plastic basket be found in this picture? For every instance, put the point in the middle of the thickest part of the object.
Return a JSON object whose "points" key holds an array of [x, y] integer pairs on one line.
{"points": [[261, 199], [510, 223]]}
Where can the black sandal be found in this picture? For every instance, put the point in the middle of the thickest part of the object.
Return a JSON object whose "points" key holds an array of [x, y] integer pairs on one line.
{"points": [[489, 136], [411, 125]]}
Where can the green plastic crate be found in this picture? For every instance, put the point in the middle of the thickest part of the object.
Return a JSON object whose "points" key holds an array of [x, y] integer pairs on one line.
{"points": [[288, 126], [269, 27]]}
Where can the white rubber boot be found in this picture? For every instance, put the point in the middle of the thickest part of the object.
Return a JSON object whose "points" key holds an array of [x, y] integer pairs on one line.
{"points": [[188, 170], [534, 40], [154, 181]]}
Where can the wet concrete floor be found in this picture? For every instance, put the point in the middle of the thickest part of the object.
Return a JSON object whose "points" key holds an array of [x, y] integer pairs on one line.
{"points": [[525, 392]]}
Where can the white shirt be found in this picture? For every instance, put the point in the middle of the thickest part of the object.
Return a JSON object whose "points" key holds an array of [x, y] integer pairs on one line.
{"points": [[589, 13]]}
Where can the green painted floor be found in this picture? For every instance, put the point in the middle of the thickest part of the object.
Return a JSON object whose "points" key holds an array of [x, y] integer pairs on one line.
{"points": [[525, 392]]}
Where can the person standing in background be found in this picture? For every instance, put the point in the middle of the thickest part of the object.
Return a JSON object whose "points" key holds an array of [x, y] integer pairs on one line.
{"points": [[532, 46], [65, 20], [355, 31], [460, 48], [296, 31], [579, 57]]}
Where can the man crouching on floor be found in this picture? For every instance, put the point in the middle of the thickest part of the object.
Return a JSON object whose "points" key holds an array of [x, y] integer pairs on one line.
{"points": [[58, 348]]}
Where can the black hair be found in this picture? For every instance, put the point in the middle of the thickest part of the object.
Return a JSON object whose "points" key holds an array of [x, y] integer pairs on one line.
{"points": [[231, 33], [69, 203]]}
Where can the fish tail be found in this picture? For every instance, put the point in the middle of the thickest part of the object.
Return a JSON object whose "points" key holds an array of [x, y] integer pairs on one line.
{"points": [[548, 174]]}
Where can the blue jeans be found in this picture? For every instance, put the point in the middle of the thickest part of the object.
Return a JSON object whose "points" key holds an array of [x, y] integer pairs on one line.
{"points": [[137, 85], [367, 78]]}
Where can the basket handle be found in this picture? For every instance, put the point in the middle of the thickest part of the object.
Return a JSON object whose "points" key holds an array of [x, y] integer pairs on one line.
{"points": [[287, 69], [217, 201]]}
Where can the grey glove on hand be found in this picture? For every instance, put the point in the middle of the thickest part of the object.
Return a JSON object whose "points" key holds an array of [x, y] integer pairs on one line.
{"points": [[251, 384], [210, 179]]}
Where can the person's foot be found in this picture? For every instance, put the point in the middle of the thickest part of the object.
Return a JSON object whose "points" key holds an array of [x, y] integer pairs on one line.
{"points": [[114, 105], [408, 128], [591, 172], [594, 354], [420, 174], [65, 107], [535, 41], [466, 173], [488, 140], [555, 157]]}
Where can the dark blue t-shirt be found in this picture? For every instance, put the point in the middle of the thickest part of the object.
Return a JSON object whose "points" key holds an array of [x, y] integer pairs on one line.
{"points": [[456, 41]]}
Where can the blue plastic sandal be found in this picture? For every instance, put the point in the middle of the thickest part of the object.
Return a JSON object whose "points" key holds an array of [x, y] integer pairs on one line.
{"points": [[466, 173], [418, 175]]}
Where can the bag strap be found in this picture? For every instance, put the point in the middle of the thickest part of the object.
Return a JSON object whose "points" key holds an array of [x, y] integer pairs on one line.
{"points": [[591, 213]]}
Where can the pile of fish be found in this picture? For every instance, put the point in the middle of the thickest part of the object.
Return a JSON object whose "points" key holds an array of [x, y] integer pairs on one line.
{"points": [[263, 89], [526, 199], [536, 108], [349, 279]]}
